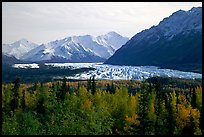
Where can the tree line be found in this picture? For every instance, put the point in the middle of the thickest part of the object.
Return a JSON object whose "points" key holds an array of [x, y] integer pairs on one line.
{"points": [[73, 108]]}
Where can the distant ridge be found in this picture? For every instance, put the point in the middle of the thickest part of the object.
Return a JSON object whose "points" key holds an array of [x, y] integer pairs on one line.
{"points": [[84, 48]]}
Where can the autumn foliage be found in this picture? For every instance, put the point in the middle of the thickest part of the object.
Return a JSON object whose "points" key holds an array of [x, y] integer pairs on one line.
{"points": [[107, 107]]}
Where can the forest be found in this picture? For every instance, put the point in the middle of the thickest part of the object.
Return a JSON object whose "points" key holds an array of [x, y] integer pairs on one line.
{"points": [[156, 106], [42, 74]]}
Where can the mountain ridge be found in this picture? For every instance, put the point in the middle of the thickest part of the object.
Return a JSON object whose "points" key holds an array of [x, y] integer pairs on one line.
{"points": [[168, 45], [84, 48]]}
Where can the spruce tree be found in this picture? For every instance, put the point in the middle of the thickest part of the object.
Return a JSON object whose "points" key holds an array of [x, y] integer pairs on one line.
{"points": [[143, 110], [112, 88], [64, 89], [171, 121], [23, 101], [157, 85], [68, 88], [108, 88], [41, 101], [41, 107], [89, 84], [15, 90], [78, 86], [35, 86], [57, 91], [93, 86], [150, 87], [201, 125], [193, 98]]}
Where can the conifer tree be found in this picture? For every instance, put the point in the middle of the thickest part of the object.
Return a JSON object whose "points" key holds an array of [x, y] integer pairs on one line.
{"points": [[112, 88], [93, 86], [158, 105], [201, 125], [53, 87], [35, 86], [150, 87], [41, 106], [15, 90], [68, 88], [108, 88], [171, 107], [78, 86], [89, 84], [57, 91], [143, 110], [193, 98], [64, 89], [41, 101], [23, 101]]}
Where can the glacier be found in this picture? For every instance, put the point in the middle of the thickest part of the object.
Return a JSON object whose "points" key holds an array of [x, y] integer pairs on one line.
{"points": [[117, 72], [33, 65]]}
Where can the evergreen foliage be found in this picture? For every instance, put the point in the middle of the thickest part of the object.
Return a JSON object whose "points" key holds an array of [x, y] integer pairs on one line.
{"points": [[61, 108]]}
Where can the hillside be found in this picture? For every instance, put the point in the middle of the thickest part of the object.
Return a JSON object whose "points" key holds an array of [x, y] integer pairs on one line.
{"points": [[175, 43]]}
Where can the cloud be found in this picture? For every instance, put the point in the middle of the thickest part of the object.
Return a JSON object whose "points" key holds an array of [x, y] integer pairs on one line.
{"points": [[42, 22]]}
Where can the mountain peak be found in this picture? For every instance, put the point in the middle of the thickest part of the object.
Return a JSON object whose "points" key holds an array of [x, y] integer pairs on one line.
{"points": [[18, 48], [23, 40], [195, 9], [192, 10], [174, 42], [80, 48], [113, 33], [179, 12], [181, 21]]}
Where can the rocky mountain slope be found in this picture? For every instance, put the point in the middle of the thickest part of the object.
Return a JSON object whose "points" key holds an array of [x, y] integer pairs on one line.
{"points": [[85, 48], [176, 43]]}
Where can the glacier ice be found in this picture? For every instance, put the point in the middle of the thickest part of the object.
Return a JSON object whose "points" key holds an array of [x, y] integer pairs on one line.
{"points": [[116, 72]]}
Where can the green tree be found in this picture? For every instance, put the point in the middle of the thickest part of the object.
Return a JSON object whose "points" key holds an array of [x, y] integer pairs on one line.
{"points": [[193, 98], [171, 108], [41, 109], [93, 86], [108, 89], [157, 85], [201, 125], [15, 90], [89, 84], [23, 104], [112, 88], [64, 89], [143, 110]]}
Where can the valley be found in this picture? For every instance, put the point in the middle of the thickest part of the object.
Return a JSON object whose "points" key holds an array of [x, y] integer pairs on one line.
{"points": [[84, 78], [82, 71]]}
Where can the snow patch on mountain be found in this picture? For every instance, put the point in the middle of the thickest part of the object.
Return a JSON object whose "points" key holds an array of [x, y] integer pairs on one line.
{"points": [[78, 47], [180, 21], [18, 48]]}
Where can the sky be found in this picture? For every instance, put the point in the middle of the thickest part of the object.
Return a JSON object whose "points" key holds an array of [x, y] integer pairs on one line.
{"points": [[42, 22]]}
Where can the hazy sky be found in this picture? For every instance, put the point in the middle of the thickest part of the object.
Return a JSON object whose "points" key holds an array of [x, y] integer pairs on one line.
{"points": [[41, 22]]}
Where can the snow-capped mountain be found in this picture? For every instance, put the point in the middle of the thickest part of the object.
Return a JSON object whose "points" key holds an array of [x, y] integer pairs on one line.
{"points": [[180, 21], [85, 48], [18, 48], [176, 43]]}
